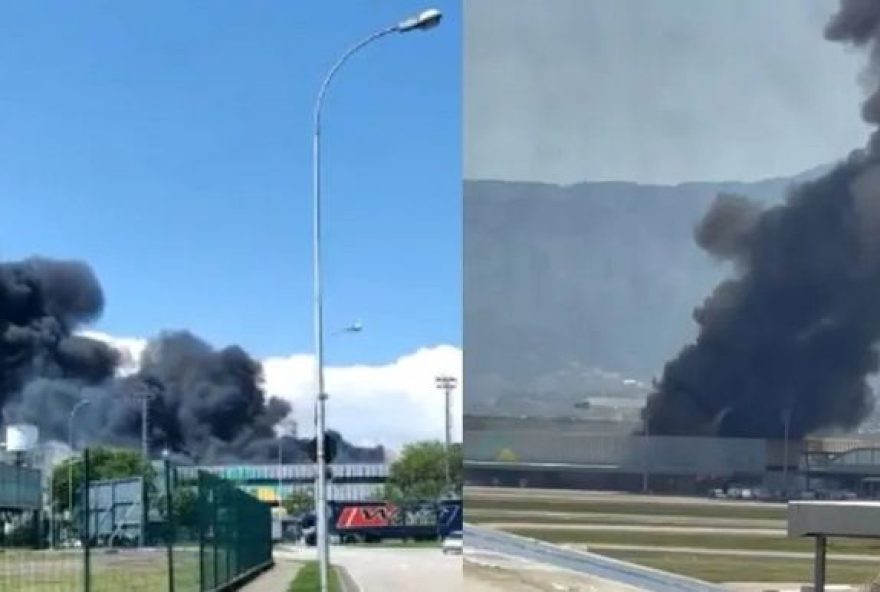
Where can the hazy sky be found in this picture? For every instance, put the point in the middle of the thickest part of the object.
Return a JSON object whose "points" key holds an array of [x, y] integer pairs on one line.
{"points": [[655, 90]]}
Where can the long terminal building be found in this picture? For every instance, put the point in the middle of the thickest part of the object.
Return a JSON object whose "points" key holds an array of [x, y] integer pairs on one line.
{"points": [[272, 482], [534, 452]]}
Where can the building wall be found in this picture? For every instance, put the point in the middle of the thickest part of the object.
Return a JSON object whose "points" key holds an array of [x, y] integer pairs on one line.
{"points": [[670, 455], [516, 454]]}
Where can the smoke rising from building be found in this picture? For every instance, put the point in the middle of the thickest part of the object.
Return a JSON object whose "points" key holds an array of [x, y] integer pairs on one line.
{"points": [[208, 404], [795, 329]]}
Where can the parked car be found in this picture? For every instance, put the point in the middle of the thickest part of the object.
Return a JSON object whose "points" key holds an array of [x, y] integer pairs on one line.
{"points": [[453, 543]]}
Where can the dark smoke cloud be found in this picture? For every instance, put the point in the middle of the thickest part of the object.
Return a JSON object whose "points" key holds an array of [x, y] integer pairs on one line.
{"points": [[207, 404], [795, 330], [41, 303]]}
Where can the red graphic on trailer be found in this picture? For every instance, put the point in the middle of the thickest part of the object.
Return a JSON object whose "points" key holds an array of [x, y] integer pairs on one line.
{"points": [[370, 516]]}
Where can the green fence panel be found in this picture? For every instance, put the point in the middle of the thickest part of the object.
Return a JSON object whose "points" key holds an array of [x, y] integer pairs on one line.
{"points": [[169, 528], [184, 532], [235, 534]]}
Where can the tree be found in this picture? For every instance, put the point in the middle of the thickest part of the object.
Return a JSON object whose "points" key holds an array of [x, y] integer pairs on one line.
{"points": [[104, 463], [184, 507], [419, 474], [298, 502]]}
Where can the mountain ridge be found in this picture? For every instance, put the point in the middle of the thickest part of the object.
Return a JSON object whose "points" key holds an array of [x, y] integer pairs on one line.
{"points": [[590, 275]]}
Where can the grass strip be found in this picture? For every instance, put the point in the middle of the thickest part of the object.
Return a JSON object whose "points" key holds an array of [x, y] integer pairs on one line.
{"points": [[739, 569], [308, 579], [617, 507]]}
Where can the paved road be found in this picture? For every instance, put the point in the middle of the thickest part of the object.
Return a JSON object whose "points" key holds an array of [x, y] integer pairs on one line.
{"points": [[401, 570], [603, 567], [485, 571], [388, 569]]}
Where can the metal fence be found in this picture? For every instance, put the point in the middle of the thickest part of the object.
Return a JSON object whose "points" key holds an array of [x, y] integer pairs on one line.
{"points": [[236, 533], [162, 529]]}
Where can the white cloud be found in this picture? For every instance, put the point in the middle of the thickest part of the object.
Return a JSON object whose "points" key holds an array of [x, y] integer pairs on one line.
{"points": [[131, 349], [389, 404]]}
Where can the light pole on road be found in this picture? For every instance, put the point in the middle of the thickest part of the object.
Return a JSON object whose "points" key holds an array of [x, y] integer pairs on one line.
{"points": [[423, 21], [786, 422]]}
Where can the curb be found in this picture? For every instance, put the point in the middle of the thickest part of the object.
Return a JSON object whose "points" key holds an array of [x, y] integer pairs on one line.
{"points": [[346, 582]]}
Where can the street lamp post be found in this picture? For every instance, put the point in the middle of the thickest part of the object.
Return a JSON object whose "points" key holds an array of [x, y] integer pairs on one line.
{"points": [[647, 453], [447, 384], [786, 421], [82, 403], [280, 469], [423, 21], [148, 390]]}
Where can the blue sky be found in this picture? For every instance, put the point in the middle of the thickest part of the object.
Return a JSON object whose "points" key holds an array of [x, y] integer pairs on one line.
{"points": [[168, 144]]}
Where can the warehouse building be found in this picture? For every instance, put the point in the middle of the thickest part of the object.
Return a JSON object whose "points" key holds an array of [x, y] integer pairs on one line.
{"points": [[516, 453]]}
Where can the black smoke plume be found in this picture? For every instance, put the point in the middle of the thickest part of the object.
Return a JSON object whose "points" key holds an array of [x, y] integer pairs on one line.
{"points": [[794, 332], [205, 404]]}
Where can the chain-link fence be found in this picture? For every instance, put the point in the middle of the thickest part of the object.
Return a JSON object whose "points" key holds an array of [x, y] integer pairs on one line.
{"points": [[154, 530]]}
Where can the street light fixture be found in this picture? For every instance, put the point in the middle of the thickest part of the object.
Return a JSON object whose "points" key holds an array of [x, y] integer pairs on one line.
{"points": [[423, 21], [356, 327]]}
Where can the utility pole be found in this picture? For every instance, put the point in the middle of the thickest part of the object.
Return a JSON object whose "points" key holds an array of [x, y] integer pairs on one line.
{"points": [[786, 421], [79, 405], [145, 427], [149, 389], [647, 453], [447, 384], [50, 483]]}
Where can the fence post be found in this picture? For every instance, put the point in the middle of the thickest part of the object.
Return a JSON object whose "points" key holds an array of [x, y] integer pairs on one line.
{"points": [[145, 506], [215, 530], [200, 493], [85, 513], [169, 525], [231, 510]]}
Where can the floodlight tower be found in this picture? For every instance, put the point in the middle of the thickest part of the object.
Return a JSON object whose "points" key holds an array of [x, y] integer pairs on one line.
{"points": [[447, 384]]}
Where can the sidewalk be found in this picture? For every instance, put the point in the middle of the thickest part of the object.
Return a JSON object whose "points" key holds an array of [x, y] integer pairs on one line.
{"points": [[276, 579]]}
